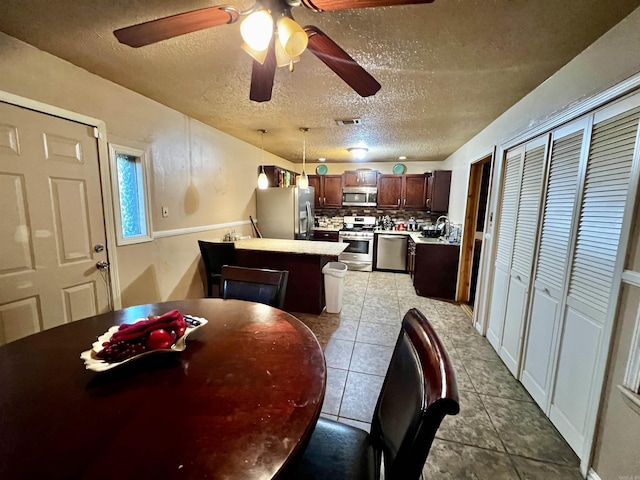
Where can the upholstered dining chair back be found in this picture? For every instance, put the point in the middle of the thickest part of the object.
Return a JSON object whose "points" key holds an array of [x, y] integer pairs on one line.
{"points": [[255, 284], [418, 391], [215, 255]]}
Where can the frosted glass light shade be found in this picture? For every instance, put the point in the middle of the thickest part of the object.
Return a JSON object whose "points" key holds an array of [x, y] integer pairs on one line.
{"points": [[257, 30], [263, 181], [303, 180], [292, 37], [258, 55], [282, 59]]}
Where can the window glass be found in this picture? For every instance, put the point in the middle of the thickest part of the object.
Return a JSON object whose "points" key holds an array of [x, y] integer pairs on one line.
{"points": [[132, 212], [130, 201]]}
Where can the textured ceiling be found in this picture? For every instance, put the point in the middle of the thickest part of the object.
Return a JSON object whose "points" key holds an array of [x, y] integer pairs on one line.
{"points": [[447, 69]]}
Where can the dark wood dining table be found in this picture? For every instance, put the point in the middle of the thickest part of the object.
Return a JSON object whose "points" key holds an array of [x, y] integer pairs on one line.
{"points": [[238, 403]]}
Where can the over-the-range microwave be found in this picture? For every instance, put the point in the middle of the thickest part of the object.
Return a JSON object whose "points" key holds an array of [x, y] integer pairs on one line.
{"points": [[360, 196]]}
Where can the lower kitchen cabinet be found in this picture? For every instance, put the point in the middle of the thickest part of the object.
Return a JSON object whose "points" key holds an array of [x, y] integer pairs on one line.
{"points": [[326, 235], [436, 270]]}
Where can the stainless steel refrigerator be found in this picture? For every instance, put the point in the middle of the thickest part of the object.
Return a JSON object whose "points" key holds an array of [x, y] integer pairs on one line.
{"points": [[285, 212]]}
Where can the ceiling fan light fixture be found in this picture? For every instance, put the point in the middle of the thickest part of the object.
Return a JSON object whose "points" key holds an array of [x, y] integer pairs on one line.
{"points": [[358, 152], [282, 59], [258, 55], [257, 29], [292, 37]]}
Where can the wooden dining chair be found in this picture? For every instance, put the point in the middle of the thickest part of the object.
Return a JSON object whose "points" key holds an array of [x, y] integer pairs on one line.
{"points": [[254, 284], [419, 390], [215, 255]]}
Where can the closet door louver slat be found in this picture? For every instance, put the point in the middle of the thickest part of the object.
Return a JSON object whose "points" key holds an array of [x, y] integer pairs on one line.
{"points": [[528, 209], [602, 209], [556, 224], [508, 208]]}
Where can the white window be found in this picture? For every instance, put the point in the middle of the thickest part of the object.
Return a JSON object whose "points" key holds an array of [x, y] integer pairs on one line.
{"points": [[128, 180]]}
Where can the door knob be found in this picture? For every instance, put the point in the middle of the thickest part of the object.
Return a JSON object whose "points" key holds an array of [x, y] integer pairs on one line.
{"points": [[102, 265], [98, 248]]}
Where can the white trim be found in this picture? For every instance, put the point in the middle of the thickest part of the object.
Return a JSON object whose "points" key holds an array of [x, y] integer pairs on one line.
{"points": [[632, 372], [202, 228], [103, 161], [582, 107], [631, 277], [137, 153], [592, 475], [634, 398]]}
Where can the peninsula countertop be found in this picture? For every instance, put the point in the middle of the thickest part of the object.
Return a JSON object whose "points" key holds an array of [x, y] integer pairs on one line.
{"points": [[304, 247]]}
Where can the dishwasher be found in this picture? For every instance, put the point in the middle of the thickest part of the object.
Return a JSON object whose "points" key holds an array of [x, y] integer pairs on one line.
{"points": [[391, 253]]}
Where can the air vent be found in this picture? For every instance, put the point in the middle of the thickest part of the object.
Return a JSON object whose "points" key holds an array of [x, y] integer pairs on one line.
{"points": [[349, 121]]}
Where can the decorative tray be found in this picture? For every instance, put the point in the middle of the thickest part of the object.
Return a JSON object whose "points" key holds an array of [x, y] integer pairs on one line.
{"points": [[91, 362]]}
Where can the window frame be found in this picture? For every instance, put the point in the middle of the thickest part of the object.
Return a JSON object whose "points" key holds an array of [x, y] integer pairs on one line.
{"points": [[141, 174]]}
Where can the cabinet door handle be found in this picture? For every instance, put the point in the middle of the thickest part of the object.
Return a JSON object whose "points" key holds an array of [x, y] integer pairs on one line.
{"points": [[404, 203], [546, 290], [398, 202], [325, 200]]}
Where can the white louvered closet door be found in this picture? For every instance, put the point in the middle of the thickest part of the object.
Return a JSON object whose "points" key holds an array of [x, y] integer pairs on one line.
{"points": [[594, 271], [526, 234], [568, 148], [506, 229]]}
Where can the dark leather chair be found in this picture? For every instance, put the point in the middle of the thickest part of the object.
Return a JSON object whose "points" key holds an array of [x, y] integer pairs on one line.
{"points": [[254, 284], [214, 256], [418, 391]]}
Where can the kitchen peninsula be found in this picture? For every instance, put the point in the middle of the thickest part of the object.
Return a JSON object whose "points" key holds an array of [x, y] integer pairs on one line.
{"points": [[304, 261]]}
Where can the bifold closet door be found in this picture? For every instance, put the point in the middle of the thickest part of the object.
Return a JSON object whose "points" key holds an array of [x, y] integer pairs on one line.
{"points": [[594, 270], [506, 228], [568, 149], [524, 243]]}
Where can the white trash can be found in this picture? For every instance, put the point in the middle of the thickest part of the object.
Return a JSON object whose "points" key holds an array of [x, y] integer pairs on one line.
{"points": [[334, 273]]}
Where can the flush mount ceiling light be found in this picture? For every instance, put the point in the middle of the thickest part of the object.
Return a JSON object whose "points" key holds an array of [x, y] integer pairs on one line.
{"points": [[271, 36], [358, 152], [321, 159], [263, 181]]}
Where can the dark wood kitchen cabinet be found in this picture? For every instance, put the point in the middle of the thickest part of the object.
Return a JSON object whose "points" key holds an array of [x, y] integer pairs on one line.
{"points": [[389, 191], [328, 190], [438, 187], [402, 191], [360, 178], [411, 257], [326, 235], [275, 175], [436, 270]]}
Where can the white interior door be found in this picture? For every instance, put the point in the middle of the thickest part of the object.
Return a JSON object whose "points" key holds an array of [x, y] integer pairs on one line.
{"points": [[594, 271], [52, 230], [568, 149], [505, 233], [526, 234]]}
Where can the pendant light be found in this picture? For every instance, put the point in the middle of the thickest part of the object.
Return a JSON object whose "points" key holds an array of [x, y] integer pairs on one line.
{"points": [[303, 181], [263, 181]]}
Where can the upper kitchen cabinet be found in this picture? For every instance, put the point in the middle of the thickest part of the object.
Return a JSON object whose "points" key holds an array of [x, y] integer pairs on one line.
{"points": [[438, 186], [360, 178], [403, 192], [277, 176], [390, 191], [328, 190]]}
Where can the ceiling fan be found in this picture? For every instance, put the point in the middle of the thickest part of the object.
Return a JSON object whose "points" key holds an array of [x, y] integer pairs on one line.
{"points": [[269, 48]]}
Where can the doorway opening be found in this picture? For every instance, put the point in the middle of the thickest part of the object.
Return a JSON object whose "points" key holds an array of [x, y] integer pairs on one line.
{"points": [[474, 224]]}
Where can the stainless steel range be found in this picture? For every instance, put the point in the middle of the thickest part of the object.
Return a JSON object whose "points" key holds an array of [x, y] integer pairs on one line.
{"points": [[358, 233]]}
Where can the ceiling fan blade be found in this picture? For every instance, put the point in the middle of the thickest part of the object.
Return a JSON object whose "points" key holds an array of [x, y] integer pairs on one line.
{"points": [[341, 62], [262, 76], [328, 5], [168, 27]]}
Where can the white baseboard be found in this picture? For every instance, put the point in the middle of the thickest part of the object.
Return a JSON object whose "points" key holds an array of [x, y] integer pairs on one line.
{"points": [[592, 475]]}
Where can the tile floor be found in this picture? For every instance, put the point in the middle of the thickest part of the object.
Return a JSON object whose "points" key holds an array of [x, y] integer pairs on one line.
{"points": [[500, 433]]}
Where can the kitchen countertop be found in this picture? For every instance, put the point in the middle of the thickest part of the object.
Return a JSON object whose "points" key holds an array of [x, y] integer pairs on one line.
{"points": [[416, 236], [303, 247], [328, 229]]}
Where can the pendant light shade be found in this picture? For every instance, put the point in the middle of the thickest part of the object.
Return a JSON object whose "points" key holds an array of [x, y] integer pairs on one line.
{"points": [[303, 180], [263, 181]]}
